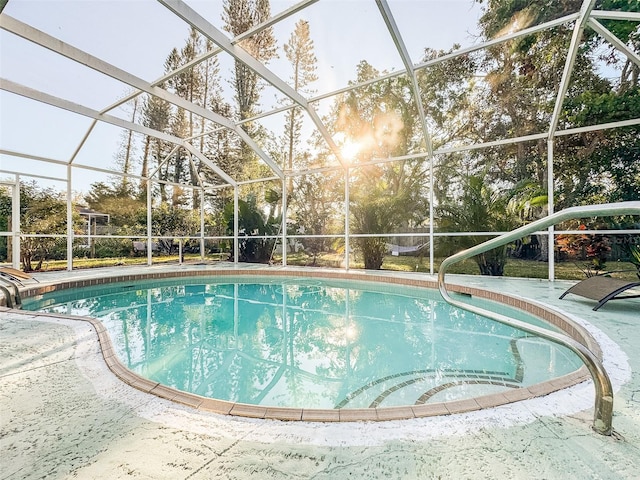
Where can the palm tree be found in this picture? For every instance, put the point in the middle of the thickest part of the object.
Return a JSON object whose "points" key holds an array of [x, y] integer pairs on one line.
{"points": [[479, 208]]}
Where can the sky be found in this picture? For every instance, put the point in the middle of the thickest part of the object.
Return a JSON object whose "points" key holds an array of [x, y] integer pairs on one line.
{"points": [[137, 35]]}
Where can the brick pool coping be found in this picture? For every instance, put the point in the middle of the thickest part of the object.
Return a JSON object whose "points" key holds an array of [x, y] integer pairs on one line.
{"points": [[569, 327]]}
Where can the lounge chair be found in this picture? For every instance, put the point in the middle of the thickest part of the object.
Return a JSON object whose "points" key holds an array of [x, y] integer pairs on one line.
{"points": [[17, 276], [602, 289]]}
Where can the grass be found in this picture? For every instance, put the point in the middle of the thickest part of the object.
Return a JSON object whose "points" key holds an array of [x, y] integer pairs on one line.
{"points": [[513, 268], [80, 263]]}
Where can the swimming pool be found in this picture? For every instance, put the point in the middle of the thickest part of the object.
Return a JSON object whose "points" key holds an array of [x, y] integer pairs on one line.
{"points": [[311, 343]]}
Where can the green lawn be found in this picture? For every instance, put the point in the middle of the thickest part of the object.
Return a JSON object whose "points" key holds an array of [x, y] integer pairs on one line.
{"points": [[513, 267]]}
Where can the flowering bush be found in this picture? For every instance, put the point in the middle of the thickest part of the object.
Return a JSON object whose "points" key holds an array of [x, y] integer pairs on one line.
{"points": [[594, 248]]}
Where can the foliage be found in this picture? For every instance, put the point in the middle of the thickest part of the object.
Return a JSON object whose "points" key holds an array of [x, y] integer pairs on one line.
{"points": [[447, 94], [479, 208], [313, 203], [167, 220], [522, 80], [43, 211], [635, 258], [381, 120], [377, 208], [5, 214], [299, 52], [601, 166], [594, 248], [251, 223], [119, 202]]}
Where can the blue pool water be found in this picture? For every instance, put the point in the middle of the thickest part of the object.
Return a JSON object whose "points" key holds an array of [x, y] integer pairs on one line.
{"points": [[311, 343]]}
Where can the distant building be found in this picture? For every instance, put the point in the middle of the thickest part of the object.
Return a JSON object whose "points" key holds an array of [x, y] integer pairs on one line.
{"points": [[97, 222]]}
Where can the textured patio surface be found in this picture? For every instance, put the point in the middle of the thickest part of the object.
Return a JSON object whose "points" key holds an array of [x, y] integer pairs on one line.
{"points": [[63, 414]]}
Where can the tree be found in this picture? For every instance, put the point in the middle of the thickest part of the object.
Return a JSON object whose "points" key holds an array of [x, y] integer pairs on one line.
{"points": [[601, 166], [314, 203], [119, 203], [239, 16], [216, 144], [168, 220], [156, 114], [478, 208], [381, 119], [125, 157], [251, 223], [299, 52], [446, 93], [192, 85], [519, 94], [376, 208], [42, 211]]}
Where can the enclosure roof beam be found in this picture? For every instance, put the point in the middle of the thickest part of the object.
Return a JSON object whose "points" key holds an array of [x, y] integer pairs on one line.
{"points": [[615, 41], [164, 160], [572, 53], [31, 157], [80, 166], [27, 92], [457, 53], [432, 62], [30, 175], [32, 94], [614, 15], [83, 141], [385, 11], [194, 151], [47, 41], [186, 13], [44, 40], [252, 31]]}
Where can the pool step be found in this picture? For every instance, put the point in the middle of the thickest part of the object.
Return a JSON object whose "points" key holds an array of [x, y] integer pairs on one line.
{"points": [[374, 394]]}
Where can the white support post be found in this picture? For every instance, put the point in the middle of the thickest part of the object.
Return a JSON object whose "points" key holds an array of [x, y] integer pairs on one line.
{"points": [[202, 224], [15, 224], [149, 224], [572, 53], [236, 213], [550, 207], [70, 232], [431, 222], [284, 221], [346, 218]]}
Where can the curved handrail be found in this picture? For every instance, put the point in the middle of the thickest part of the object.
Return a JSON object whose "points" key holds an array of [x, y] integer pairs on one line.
{"points": [[7, 294], [603, 413]]}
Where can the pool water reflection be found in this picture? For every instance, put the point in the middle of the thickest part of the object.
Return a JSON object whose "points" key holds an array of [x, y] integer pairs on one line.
{"points": [[312, 343]]}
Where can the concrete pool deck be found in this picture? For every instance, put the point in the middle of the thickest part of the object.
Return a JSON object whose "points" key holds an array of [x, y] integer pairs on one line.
{"points": [[64, 414]]}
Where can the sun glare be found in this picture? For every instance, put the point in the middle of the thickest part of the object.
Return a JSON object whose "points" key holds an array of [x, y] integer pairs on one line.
{"points": [[350, 149]]}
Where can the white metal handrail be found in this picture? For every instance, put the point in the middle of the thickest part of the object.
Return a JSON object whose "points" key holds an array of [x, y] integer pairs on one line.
{"points": [[604, 393]]}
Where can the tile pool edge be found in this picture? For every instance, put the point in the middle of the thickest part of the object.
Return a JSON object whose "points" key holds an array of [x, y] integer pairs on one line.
{"points": [[223, 407]]}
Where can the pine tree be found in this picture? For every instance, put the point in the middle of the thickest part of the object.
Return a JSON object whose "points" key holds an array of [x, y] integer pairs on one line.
{"points": [[240, 16], [299, 52], [125, 156], [156, 114]]}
